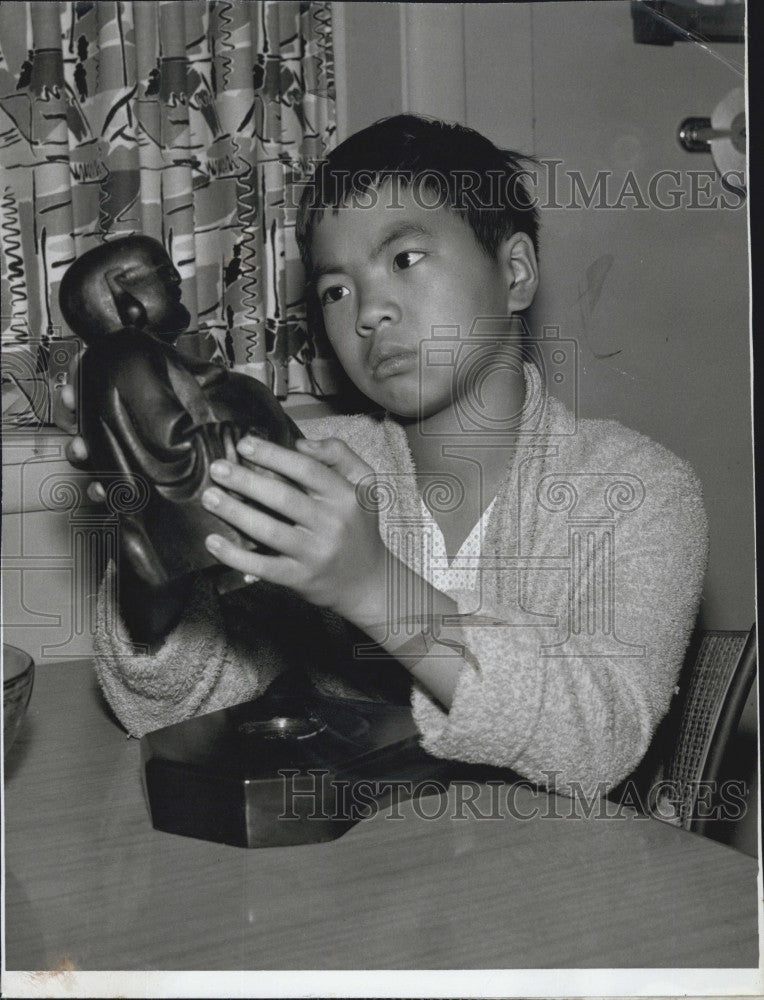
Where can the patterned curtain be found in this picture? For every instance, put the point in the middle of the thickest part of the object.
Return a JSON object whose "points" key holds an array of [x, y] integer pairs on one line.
{"points": [[191, 121]]}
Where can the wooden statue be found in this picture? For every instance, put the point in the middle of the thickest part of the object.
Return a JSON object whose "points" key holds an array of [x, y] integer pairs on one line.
{"points": [[150, 413]]}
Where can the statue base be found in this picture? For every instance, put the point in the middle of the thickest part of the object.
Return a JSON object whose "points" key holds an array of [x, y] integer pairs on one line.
{"points": [[292, 767]]}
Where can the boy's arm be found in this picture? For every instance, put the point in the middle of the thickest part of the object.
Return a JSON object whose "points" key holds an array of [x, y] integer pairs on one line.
{"points": [[572, 718], [415, 623], [214, 656]]}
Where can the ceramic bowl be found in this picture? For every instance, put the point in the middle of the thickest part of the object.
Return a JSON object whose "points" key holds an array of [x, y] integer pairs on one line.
{"points": [[18, 678]]}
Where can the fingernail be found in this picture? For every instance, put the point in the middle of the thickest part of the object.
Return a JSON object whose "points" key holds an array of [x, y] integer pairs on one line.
{"points": [[306, 443], [210, 498], [213, 542], [245, 447], [220, 468], [248, 578]]}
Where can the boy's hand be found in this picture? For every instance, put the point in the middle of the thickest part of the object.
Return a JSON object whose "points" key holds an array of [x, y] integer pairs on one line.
{"points": [[332, 555]]}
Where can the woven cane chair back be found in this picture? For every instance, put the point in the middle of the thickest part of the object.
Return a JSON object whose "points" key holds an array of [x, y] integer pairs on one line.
{"points": [[719, 683]]}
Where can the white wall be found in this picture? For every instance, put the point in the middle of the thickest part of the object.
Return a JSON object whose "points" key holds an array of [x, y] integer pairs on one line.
{"points": [[674, 304]]}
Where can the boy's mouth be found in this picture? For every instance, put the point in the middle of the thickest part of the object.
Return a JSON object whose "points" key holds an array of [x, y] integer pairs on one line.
{"points": [[391, 360]]}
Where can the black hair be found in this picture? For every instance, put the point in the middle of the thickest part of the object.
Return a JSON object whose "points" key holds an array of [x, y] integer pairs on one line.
{"points": [[466, 172]]}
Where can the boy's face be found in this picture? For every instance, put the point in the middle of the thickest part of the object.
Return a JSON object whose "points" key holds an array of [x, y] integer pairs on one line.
{"points": [[386, 278]]}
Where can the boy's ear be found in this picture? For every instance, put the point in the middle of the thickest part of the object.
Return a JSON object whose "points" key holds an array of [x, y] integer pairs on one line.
{"points": [[521, 270]]}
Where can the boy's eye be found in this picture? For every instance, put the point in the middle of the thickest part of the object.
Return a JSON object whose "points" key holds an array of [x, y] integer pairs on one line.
{"points": [[333, 294], [407, 259]]}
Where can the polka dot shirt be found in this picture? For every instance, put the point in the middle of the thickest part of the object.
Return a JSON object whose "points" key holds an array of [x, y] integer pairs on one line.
{"points": [[462, 572]]}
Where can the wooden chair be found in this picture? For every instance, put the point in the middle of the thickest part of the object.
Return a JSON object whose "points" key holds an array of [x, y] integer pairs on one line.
{"points": [[713, 690]]}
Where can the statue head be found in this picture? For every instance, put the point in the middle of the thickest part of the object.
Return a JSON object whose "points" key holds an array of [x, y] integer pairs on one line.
{"points": [[127, 282]]}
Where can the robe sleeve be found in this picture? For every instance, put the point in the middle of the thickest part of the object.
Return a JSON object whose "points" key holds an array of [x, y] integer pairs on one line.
{"points": [[583, 721]]}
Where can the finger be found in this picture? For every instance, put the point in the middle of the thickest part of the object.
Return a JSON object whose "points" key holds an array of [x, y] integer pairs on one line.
{"points": [[77, 453], [276, 494], [64, 402], [68, 397], [96, 492], [272, 569], [62, 409], [337, 455], [254, 523], [78, 448], [287, 462]]}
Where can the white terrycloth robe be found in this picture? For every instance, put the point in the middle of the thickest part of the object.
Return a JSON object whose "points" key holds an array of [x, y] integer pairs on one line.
{"points": [[587, 582]]}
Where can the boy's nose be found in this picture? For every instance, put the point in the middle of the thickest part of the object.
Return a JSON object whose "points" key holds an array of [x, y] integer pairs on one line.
{"points": [[376, 309]]}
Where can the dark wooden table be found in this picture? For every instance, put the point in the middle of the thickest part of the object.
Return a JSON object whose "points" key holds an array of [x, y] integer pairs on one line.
{"points": [[90, 885]]}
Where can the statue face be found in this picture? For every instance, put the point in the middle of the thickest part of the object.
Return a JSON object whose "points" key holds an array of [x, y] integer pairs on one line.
{"points": [[148, 275]]}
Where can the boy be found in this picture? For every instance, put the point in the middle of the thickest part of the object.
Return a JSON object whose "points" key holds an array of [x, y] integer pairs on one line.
{"points": [[543, 608]]}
